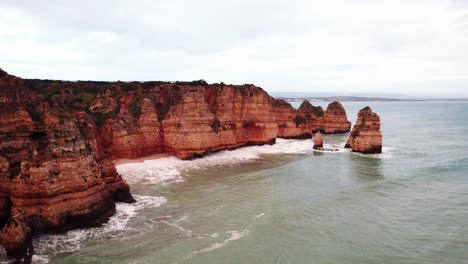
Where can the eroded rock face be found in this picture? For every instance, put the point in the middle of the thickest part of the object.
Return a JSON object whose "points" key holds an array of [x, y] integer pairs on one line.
{"points": [[318, 141], [58, 139], [309, 118], [366, 136], [17, 240], [51, 176], [288, 122], [335, 120], [213, 118], [248, 111], [138, 134], [191, 129]]}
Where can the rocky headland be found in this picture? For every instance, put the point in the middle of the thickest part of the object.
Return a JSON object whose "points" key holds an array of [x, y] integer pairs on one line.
{"points": [[366, 136], [58, 141]]}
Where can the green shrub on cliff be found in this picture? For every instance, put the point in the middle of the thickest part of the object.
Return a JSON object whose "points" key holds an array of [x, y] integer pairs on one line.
{"points": [[135, 106], [100, 118], [163, 108]]}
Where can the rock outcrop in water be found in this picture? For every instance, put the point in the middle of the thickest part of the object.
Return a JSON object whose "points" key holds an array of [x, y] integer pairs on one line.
{"points": [[58, 140], [288, 122], [308, 119], [318, 141], [366, 136], [335, 120]]}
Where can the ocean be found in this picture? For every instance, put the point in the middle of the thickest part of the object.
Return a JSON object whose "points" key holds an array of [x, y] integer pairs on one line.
{"points": [[286, 203]]}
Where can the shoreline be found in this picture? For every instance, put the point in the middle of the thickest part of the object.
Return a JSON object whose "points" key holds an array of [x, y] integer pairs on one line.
{"points": [[140, 160]]}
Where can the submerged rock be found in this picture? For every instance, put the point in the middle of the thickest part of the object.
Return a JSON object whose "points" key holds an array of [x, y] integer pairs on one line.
{"points": [[366, 136]]}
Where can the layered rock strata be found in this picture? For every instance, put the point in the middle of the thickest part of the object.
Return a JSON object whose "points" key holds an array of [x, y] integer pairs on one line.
{"points": [[51, 176], [335, 120], [308, 119], [366, 136], [58, 139]]}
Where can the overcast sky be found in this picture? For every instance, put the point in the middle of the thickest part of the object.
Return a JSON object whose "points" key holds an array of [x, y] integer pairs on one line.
{"points": [[347, 47]]}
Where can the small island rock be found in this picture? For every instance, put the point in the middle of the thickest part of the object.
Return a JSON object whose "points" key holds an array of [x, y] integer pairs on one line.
{"points": [[318, 141], [366, 136]]}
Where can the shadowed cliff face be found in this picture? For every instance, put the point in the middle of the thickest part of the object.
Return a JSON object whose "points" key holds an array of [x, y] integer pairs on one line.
{"points": [[58, 139]]}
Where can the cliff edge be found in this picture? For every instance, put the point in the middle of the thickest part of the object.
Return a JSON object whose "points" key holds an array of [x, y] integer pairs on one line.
{"points": [[58, 140]]}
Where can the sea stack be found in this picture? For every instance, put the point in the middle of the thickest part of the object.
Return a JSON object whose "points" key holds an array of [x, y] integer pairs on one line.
{"points": [[366, 136], [335, 120], [318, 141]]}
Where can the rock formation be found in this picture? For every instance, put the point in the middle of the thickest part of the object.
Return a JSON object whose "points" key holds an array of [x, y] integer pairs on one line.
{"points": [[366, 136], [286, 117], [58, 140], [308, 119], [17, 240], [335, 120], [318, 141], [51, 176]]}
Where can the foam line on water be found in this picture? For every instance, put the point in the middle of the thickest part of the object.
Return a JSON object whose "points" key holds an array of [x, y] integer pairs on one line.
{"points": [[71, 241], [171, 169], [387, 153], [234, 235]]}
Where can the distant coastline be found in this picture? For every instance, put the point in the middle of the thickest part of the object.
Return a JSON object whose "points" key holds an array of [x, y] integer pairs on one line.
{"points": [[363, 99]]}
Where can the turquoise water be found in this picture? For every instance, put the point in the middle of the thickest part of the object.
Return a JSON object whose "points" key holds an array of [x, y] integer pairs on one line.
{"points": [[288, 204]]}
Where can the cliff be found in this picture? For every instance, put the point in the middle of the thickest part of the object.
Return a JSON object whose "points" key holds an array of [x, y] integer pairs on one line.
{"points": [[308, 119], [52, 176], [366, 136], [58, 140], [288, 122], [335, 120]]}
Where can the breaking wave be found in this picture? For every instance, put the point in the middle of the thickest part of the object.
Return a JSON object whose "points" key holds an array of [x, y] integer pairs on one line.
{"points": [[71, 241], [170, 169]]}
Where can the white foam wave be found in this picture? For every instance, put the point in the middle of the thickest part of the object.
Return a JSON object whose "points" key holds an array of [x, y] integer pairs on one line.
{"points": [[71, 240], [387, 153], [235, 235], [333, 148], [259, 215], [171, 169]]}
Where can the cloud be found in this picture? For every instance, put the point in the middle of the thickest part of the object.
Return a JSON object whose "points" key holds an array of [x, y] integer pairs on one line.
{"points": [[413, 47]]}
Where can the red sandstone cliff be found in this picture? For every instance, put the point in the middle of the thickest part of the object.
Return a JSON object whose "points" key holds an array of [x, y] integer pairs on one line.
{"points": [[286, 117], [308, 119], [366, 136], [335, 120], [51, 175], [58, 140]]}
